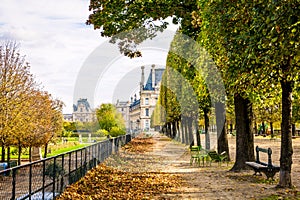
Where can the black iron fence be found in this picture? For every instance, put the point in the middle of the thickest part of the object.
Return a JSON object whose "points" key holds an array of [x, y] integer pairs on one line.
{"points": [[48, 177]]}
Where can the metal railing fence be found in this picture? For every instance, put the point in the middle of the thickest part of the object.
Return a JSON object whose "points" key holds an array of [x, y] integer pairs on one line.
{"points": [[48, 177]]}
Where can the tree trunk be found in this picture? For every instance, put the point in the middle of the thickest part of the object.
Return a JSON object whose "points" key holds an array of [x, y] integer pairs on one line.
{"points": [[263, 128], [169, 129], [187, 138], [45, 150], [206, 126], [174, 129], [30, 154], [221, 128], [182, 131], [178, 131], [190, 131], [198, 136], [272, 129], [255, 126], [19, 154], [8, 156], [244, 135], [286, 135], [293, 129], [3, 154]]}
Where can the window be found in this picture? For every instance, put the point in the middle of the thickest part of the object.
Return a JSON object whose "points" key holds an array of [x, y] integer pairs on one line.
{"points": [[147, 111], [147, 124], [146, 101]]}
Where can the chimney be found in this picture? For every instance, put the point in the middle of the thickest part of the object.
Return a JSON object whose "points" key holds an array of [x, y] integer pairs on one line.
{"points": [[153, 76], [142, 78]]}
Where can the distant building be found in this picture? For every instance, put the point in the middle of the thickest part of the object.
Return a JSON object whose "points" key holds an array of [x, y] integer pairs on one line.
{"points": [[123, 108], [140, 110], [83, 112], [68, 117]]}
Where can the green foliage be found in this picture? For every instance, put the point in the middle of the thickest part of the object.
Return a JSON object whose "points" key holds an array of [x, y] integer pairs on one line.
{"points": [[102, 132], [116, 131], [69, 126], [296, 104], [108, 117], [143, 18]]}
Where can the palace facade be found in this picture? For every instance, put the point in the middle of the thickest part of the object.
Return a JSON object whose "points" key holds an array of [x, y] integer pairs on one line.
{"points": [[140, 110]]}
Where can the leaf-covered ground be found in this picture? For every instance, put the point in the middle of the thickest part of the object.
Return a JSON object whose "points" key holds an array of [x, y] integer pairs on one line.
{"points": [[107, 183], [131, 181], [159, 168]]}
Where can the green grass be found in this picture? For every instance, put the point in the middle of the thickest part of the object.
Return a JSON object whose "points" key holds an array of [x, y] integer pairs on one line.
{"points": [[59, 147], [56, 151]]}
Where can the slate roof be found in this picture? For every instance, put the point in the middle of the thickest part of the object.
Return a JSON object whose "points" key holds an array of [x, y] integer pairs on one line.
{"points": [[158, 77], [84, 102]]}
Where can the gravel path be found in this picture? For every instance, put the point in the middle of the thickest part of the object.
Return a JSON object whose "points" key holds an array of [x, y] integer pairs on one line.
{"points": [[208, 182]]}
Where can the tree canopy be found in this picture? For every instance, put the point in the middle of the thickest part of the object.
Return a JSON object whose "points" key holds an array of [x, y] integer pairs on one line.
{"points": [[29, 117]]}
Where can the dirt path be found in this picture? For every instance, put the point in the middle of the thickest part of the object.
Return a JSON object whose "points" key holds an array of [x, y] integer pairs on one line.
{"points": [[209, 182], [154, 167]]}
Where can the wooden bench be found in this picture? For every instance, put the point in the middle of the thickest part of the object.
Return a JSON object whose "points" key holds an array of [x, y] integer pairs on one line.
{"points": [[267, 168]]}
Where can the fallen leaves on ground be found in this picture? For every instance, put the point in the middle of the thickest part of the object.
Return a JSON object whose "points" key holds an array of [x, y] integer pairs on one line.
{"points": [[130, 181], [105, 182], [140, 145]]}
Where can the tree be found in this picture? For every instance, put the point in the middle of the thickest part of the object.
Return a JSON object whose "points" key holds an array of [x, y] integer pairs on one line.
{"points": [[113, 19], [143, 19], [261, 45], [28, 116], [278, 22], [108, 117], [16, 83]]}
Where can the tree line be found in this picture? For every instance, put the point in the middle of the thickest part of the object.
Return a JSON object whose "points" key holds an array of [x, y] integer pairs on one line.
{"points": [[109, 123], [29, 116], [254, 45]]}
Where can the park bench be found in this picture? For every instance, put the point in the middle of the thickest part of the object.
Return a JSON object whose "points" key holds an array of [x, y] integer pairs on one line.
{"points": [[267, 168], [219, 158], [198, 154]]}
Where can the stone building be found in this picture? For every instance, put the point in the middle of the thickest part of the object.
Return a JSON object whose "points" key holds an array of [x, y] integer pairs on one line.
{"points": [[83, 112], [140, 110], [123, 108]]}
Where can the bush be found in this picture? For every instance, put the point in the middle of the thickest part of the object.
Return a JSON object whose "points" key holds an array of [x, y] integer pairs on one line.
{"points": [[102, 133], [74, 134], [116, 131]]}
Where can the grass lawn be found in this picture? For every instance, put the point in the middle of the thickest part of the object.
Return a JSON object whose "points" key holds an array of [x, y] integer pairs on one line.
{"points": [[62, 148], [56, 149]]}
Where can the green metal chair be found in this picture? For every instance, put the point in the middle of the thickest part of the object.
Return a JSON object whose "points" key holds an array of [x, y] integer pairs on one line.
{"points": [[219, 158], [198, 154]]}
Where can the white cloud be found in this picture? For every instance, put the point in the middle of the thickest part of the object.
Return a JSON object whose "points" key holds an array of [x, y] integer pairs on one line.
{"points": [[54, 38], [56, 42]]}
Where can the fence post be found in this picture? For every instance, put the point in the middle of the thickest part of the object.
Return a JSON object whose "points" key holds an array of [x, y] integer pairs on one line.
{"points": [[70, 181], [13, 195], [63, 172], [81, 165], [54, 174], [30, 181], [99, 152], [44, 169], [85, 158]]}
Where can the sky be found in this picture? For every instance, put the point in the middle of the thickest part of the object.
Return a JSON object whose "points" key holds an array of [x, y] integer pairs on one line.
{"points": [[68, 57]]}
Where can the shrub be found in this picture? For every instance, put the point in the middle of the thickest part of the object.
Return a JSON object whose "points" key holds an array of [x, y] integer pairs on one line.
{"points": [[116, 131], [102, 132]]}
